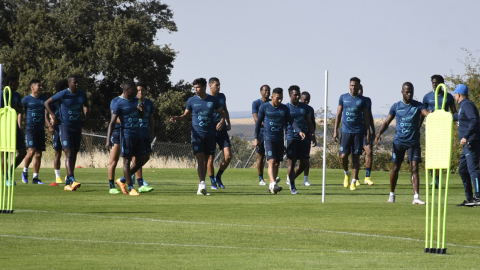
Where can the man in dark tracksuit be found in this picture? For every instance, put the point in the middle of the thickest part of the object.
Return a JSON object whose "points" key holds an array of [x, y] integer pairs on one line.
{"points": [[469, 135]]}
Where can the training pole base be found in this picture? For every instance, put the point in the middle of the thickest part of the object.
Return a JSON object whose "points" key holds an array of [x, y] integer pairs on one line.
{"points": [[436, 250], [6, 211]]}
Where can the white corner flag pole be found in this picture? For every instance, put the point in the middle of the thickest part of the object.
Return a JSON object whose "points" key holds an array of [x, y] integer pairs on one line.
{"points": [[325, 136]]}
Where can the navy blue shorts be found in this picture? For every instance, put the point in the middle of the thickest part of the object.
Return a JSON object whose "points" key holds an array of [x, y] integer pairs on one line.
{"points": [[261, 144], [414, 153], [70, 137], [148, 145], [132, 147], [20, 139], [35, 139], [298, 149], [365, 140], [222, 139], [204, 145], [57, 144], [274, 150], [115, 138], [351, 143]]}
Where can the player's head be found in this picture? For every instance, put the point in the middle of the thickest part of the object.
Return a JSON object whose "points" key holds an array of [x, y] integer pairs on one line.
{"points": [[305, 97], [35, 86], [294, 93], [141, 90], [277, 96], [265, 91], [354, 86], [461, 92], [436, 80], [214, 84], [360, 90], [61, 85], [200, 86], [12, 82], [129, 89], [407, 92], [73, 83]]}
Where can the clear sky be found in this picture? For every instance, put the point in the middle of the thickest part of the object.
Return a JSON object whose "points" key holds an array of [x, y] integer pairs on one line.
{"points": [[385, 43]]}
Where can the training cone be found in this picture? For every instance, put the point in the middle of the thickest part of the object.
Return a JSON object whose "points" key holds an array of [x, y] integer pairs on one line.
{"points": [[54, 185]]}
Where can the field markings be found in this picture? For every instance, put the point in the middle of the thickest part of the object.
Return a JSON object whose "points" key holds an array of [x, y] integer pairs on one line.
{"points": [[243, 225]]}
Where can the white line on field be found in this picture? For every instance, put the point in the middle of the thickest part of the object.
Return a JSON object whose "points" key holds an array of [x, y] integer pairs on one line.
{"points": [[241, 225]]}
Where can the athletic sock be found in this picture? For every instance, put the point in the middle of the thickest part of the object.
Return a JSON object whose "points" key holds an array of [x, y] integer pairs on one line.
{"points": [[368, 171], [130, 187], [288, 178], [272, 185], [392, 193], [140, 182], [212, 180], [70, 179], [305, 178], [260, 177], [347, 172], [219, 174], [35, 175], [112, 183], [25, 169], [57, 173], [415, 196], [123, 180], [353, 181]]}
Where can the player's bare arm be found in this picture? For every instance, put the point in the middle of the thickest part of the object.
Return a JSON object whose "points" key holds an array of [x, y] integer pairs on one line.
{"points": [[384, 127], [187, 115], [338, 119]]}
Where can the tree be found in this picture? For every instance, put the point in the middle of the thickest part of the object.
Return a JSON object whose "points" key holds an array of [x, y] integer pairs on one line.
{"points": [[105, 42]]}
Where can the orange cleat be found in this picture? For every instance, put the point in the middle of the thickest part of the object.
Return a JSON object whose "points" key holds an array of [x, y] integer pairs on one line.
{"points": [[122, 186], [75, 185], [68, 188], [133, 192]]}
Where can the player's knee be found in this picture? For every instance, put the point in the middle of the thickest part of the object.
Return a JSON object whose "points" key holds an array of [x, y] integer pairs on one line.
{"points": [[38, 154], [343, 157]]}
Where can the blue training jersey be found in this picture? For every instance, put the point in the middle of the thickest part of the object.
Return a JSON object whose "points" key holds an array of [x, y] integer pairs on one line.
{"points": [[145, 123], [35, 112], [352, 115], [117, 125], [407, 117], [129, 116], [468, 121], [298, 113], [203, 123], [71, 107], [368, 103], [256, 105], [222, 99], [274, 121], [429, 101], [16, 98]]}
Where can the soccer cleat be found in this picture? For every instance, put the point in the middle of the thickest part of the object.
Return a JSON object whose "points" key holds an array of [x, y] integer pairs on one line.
{"points": [[25, 177], [261, 183], [368, 181], [417, 201], [75, 185], [145, 189], [58, 180], [36, 181], [306, 183], [346, 181], [466, 203], [219, 182], [114, 191], [213, 186], [275, 189], [391, 199], [473, 202], [476, 201], [133, 192], [68, 188], [357, 183], [202, 190], [436, 184], [294, 191], [122, 186], [287, 182], [9, 185], [352, 186], [277, 179]]}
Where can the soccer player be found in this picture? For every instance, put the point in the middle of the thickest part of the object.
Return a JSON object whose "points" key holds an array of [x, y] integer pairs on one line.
{"points": [[367, 145], [34, 109], [130, 111], [54, 130], [469, 136], [200, 108], [353, 113], [298, 148], [147, 125], [429, 103], [114, 150], [73, 102], [221, 136], [409, 115], [16, 104], [275, 116], [260, 148]]}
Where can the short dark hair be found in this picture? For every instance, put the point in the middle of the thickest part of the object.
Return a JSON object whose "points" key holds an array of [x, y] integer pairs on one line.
{"points": [[409, 84], [10, 78], [61, 85], [277, 90], [438, 77], [129, 84], [361, 86], [32, 82], [265, 85], [142, 84], [355, 79], [292, 88], [73, 76], [200, 81], [305, 93], [213, 79]]}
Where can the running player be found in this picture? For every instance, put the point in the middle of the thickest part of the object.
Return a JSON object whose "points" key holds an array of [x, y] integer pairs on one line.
{"points": [[260, 149], [429, 103], [114, 150], [16, 104], [201, 107], [221, 136], [54, 130], [147, 125], [298, 148], [409, 115], [274, 115], [130, 111], [73, 102], [352, 137], [367, 145], [34, 109]]}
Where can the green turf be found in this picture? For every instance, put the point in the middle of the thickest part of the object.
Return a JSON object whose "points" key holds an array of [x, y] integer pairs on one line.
{"points": [[240, 227]]}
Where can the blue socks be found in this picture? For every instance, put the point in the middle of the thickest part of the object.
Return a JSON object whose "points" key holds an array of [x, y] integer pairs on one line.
{"points": [[219, 174], [212, 180], [369, 170], [123, 180], [140, 182], [130, 187], [112, 183], [70, 179], [260, 177]]}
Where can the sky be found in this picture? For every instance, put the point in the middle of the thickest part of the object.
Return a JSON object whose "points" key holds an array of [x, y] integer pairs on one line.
{"points": [[249, 43]]}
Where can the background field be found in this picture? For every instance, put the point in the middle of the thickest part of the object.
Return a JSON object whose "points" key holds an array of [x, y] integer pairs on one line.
{"points": [[240, 227]]}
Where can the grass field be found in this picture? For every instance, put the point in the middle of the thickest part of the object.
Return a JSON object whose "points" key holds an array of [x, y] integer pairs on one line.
{"points": [[240, 227]]}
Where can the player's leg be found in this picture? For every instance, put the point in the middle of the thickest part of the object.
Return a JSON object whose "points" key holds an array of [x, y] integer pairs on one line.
{"points": [[132, 149], [142, 184], [260, 159], [368, 148], [415, 158], [39, 143], [473, 160], [28, 161], [21, 148], [466, 178], [68, 145], [114, 156], [346, 142], [227, 153], [57, 147], [398, 155], [357, 149], [274, 157], [211, 172], [291, 173]]}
